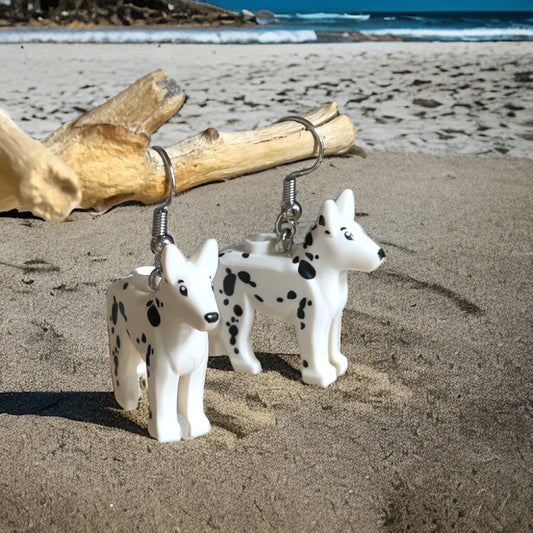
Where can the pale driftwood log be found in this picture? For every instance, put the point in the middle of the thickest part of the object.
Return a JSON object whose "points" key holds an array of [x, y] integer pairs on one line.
{"points": [[103, 158]]}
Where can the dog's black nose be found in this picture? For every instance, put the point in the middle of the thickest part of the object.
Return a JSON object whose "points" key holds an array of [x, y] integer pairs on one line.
{"points": [[211, 317], [381, 253]]}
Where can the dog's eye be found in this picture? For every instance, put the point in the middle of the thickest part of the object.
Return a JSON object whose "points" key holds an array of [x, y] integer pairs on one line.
{"points": [[349, 235], [183, 290]]}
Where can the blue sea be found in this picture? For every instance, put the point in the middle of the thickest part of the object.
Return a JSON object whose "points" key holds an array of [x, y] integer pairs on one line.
{"points": [[302, 27]]}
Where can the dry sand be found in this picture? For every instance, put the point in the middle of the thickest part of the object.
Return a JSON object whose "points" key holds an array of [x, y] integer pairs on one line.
{"points": [[429, 430]]}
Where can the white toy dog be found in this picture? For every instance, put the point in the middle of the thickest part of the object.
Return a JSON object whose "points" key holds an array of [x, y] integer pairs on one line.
{"points": [[167, 329], [306, 287]]}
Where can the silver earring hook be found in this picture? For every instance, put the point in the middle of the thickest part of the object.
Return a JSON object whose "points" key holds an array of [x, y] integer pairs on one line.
{"points": [[160, 237], [291, 210]]}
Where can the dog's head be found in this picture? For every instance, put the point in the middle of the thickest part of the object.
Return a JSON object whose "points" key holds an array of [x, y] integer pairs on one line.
{"points": [[340, 240], [188, 284]]}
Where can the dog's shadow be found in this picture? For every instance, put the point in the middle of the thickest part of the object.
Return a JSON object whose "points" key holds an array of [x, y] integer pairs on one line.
{"points": [[100, 408], [90, 407], [270, 363]]}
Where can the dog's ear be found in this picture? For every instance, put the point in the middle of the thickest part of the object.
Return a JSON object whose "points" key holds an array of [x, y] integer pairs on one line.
{"points": [[346, 204], [207, 256], [329, 217], [172, 262]]}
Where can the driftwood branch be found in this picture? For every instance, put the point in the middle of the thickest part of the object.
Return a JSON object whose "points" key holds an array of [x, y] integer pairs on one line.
{"points": [[103, 158]]}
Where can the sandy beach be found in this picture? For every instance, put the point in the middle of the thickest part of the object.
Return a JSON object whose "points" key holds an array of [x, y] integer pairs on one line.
{"points": [[430, 428]]}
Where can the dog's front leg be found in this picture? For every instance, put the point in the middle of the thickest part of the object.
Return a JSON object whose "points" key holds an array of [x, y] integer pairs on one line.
{"points": [[336, 358], [162, 400], [191, 401], [314, 351]]}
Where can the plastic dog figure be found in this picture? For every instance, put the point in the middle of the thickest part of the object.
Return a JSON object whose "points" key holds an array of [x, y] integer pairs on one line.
{"points": [[165, 333], [307, 288]]}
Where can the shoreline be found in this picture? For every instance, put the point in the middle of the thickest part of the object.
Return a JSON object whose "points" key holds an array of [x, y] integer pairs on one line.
{"points": [[308, 35]]}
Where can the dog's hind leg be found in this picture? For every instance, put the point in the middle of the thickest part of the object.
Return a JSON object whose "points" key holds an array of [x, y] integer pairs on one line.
{"points": [[125, 362], [236, 334]]}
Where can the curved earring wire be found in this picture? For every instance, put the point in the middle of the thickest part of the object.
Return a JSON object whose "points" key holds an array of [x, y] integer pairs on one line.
{"points": [[169, 172], [318, 138], [291, 210]]}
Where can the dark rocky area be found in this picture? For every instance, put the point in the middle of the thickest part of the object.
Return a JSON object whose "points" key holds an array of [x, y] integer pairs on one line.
{"points": [[76, 13]]}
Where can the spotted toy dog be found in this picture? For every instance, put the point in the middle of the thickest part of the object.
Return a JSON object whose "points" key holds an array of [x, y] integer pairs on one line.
{"points": [[307, 288], [165, 333]]}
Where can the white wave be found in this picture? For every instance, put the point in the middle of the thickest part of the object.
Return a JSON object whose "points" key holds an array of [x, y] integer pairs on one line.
{"points": [[466, 34], [119, 36], [324, 16]]}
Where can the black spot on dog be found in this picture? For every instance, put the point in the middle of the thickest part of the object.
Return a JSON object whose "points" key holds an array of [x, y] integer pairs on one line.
{"points": [[221, 254], [317, 256], [114, 311], [149, 303], [236, 350], [246, 278], [309, 256], [153, 316], [118, 341], [157, 302], [115, 360], [122, 311], [258, 298], [302, 325], [279, 299], [308, 239], [228, 284], [306, 270], [226, 301], [295, 259], [291, 295], [246, 255], [237, 310], [322, 220], [301, 308], [233, 331], [305, 363], [327, 232], [148, 354], [143, 338], [125, 286], [113, 330]]}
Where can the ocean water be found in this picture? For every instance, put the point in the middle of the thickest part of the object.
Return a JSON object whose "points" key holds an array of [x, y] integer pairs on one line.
{"points": [[301, 27]]}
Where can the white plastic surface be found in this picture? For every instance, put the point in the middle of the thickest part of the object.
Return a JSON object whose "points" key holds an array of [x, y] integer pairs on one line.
{"points": [[306, 288], [165, 333]]}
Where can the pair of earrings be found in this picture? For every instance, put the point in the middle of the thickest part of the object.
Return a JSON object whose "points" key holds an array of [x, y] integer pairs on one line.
{"points": [[165, 320]]}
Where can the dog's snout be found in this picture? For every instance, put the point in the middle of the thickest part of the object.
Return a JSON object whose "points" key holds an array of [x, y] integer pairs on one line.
{"points": [[381, 253], [211, 317]]}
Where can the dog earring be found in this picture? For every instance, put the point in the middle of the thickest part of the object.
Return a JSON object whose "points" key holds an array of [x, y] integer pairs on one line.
{"points": [[158, 318], [302, 284]]}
